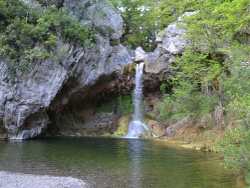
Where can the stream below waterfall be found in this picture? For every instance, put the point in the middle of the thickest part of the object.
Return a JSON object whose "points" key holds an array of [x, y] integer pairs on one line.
{"points": [[117, 162]]}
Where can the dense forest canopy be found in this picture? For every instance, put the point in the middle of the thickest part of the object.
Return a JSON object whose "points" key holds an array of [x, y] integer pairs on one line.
{"points": [[212, 75]]}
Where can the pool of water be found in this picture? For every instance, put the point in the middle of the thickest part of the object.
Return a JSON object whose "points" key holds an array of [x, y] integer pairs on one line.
{"points": [[114, 162]]}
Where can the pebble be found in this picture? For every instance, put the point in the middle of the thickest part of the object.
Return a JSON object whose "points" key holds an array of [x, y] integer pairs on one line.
{"points": [[15, 180]]}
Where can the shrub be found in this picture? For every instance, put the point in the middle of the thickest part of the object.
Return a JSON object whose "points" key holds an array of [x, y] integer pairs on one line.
{"points": [[125, 104]]}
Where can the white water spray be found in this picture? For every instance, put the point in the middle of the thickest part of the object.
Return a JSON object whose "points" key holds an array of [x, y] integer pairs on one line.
{"points": [[136, 127], [138, 92]]}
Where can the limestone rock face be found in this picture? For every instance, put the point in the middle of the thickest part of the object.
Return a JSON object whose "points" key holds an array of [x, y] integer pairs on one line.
{"points": [[140, 55], [66, 89], [52, 84], [95, 13], [169, 46], [173, 41]]}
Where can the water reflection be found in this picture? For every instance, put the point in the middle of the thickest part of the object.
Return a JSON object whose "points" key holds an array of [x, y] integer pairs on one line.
{"points": [[116, 162], [136, 155]]}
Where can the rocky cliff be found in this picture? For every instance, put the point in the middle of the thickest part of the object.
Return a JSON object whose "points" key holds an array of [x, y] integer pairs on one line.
{"points": [[52, 84], [62, 93]]}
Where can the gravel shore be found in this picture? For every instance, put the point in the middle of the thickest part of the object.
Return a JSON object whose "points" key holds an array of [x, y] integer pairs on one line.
{"points": [[14, 180]]}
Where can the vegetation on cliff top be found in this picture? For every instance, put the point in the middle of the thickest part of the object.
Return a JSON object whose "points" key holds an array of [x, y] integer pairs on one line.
{"points": [[30, 29]]}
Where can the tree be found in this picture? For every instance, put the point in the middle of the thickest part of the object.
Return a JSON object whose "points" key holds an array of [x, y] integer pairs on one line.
{"points": [[140, 25]]}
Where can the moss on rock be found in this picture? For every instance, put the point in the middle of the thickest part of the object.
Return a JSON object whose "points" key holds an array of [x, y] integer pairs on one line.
{"points": [[122, 126]]}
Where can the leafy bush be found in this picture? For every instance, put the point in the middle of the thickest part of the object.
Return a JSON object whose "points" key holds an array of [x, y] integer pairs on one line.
{"points": [[125, 104], [24, 25], [235, 149], [58, 22], [237, 84]]}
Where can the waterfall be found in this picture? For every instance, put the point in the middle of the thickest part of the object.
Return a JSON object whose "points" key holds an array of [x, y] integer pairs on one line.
{"points": [[138, 92], [136, 127]]}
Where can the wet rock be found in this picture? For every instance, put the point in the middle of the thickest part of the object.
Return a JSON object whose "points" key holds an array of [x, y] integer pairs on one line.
{"points": [[140, 136], [156, 127], [25, 134]]}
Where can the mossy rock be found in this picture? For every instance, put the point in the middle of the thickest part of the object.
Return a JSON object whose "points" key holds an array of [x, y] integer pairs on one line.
{"points": [[122, 126], [141, 136], [203, 147], [129, 68]]}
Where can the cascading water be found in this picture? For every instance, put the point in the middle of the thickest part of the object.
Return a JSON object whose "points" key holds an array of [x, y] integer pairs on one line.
{"points": [[136, 127]]}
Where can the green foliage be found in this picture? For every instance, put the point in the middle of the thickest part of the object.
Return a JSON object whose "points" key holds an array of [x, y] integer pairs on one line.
{"points": [[144, 18], [186, 100], [105, 30], [164, 109], [9, 11], [139, 23], [52, 40], [61, 54], [17, 37], [213, 71], [57, 21], [199, 84], [238, 83], [167, 11], [195, 90], [25, 25], [114, 42], [246, 145], [208, 134], [125, 104], [228, 18], [235, 148], [241, 108]]}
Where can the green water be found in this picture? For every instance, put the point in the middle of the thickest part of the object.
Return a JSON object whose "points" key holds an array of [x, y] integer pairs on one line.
{"points": [[110, 162]]}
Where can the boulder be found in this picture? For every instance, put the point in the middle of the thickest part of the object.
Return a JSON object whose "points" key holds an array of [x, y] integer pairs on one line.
{"points": [[157, 127], [173, 41], [171, 44], [170, 131], [140, 55]]}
